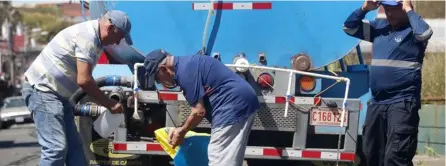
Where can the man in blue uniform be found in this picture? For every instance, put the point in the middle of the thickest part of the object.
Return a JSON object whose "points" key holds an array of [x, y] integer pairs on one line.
{"points": [[214, 91], [399, 42]]}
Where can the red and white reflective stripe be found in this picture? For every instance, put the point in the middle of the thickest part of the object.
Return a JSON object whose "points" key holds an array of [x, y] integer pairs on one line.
{"points": [[250, 151], [283, 99], [137, 146], [233, 6], [169, 96], [310, 154]]}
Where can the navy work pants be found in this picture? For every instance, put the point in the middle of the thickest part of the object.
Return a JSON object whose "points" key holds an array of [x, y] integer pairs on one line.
{"points": [[390, 133]]}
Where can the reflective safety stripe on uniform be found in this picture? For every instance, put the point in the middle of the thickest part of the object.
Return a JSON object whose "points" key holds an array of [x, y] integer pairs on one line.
{"points": [[366, 30], [396, 63], [251, 151]]}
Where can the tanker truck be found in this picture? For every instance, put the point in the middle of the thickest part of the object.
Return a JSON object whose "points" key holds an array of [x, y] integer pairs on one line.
{"points": [[309, 115]]}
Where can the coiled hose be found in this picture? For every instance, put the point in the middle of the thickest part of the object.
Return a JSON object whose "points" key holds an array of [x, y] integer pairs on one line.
{"points": [[93, 109]]}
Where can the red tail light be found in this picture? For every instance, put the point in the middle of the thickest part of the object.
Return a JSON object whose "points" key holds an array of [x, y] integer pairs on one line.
{"points": [[265, 80], [103, 59]]}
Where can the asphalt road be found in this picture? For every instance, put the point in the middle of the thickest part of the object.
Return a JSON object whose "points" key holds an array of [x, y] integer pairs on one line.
{"points": [[18, 146]]}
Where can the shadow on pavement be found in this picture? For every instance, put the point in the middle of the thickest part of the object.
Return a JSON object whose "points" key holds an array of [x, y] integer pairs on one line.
{"points": [[11, 144], [25, 160]]}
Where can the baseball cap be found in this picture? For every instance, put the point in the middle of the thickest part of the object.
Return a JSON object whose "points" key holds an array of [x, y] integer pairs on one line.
{"points": [[122, 22], [390, 2], [151, 63]]}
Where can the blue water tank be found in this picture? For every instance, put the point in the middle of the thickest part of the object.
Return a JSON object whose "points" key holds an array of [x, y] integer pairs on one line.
{"points": [[278, 29]]}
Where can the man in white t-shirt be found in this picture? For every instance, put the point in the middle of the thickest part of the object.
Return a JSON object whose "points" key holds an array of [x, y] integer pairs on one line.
{"points": [[63, 66]]}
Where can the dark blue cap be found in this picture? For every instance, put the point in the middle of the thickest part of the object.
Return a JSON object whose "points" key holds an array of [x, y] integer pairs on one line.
{"points": [[122, 22], [151, 63], [390, 2]]}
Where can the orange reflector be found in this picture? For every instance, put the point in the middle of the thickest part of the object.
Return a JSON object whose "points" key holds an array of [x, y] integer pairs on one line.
{"points": [[307, 83]]}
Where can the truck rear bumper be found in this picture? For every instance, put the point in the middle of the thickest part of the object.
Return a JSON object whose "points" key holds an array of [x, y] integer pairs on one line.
{"points": [[253, 152]]}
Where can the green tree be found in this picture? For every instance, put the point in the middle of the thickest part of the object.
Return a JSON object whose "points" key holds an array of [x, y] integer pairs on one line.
{"points": [[47, 18]]}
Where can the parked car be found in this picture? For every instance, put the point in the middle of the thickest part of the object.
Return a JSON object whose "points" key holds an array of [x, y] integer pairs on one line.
{"points": [[14, 111]]}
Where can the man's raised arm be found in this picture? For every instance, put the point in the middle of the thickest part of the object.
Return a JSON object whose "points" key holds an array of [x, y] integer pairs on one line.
{"points": [[421, 29], [357, 27]]}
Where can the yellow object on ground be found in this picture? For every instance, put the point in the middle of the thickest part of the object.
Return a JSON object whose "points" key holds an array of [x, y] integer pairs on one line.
{"points": [[162, 135]]}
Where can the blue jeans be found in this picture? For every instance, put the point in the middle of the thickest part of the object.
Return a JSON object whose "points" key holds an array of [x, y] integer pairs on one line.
{"points": [[56, 131]]}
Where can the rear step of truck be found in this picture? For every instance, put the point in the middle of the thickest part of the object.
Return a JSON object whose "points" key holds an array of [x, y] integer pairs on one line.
{"points": [[251, 152]]}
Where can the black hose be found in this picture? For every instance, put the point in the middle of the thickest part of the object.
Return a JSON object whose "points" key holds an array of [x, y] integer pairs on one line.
{"points": [[113, 80]]}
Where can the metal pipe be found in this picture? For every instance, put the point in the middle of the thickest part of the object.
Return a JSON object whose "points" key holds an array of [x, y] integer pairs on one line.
{"points": [[116, 96], [344, 79], [135, 87], [262, 58], [290, 70], [344, 102], [216, 56], [288, 93]]}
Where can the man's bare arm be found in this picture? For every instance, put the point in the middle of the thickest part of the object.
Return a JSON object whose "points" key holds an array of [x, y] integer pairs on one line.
{"points": [[198, 113], [86, 81]]}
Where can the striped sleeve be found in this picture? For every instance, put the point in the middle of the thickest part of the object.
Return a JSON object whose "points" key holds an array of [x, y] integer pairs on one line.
{"points": [[85, 49]]}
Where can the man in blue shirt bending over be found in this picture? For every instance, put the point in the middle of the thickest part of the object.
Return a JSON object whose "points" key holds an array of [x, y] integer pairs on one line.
{"points": [[214, 91], [399, 42]]}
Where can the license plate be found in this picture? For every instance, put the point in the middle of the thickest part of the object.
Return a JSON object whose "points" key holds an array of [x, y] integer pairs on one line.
{"points": [[324, 116], [19, 119]]}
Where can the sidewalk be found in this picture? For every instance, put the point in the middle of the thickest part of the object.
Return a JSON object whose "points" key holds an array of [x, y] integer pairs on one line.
{"points": [[428, 161]]}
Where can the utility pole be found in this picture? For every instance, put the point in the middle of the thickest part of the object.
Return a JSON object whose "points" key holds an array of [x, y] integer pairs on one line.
{"points": [[1, 62], [11, 49]]}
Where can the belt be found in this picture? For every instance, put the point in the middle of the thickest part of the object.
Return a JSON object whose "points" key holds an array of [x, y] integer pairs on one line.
{"points": [[39, 88]]}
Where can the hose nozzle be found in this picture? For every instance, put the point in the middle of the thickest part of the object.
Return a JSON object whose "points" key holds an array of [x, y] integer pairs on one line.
{"points": [[216, 56], [90, 110], [262, 58]]}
